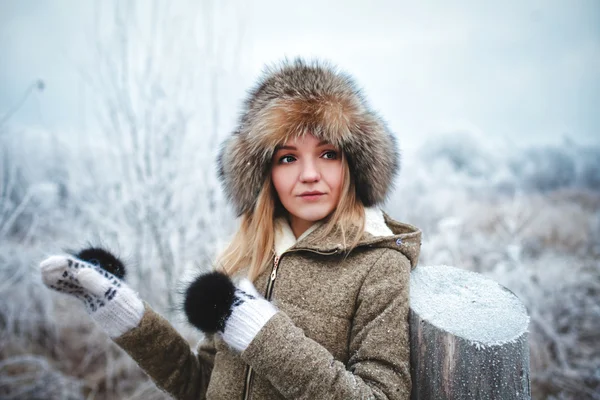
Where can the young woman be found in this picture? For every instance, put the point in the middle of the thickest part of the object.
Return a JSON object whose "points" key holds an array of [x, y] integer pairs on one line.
{"points": [[310, 299]]}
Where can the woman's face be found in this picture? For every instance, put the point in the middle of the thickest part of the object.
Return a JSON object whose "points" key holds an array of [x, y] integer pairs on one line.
{"points": [[307, 175]]}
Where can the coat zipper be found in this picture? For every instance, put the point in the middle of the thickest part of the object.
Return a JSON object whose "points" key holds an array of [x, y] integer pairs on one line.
{"points": [[249, 370], [269, 293]]}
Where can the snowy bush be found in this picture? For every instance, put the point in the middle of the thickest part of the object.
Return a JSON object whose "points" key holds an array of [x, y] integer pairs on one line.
{"points": [[544, 169]]}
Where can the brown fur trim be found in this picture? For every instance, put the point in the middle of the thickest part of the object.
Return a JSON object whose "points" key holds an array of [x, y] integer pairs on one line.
{"points": [[299, 98]]}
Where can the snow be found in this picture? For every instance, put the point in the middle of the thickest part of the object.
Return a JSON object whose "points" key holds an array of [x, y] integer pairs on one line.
{"points": [[467, 305]]}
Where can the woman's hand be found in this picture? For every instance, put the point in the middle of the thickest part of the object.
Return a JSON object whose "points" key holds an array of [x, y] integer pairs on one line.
{"points": [[215, 305], [108, 300]]}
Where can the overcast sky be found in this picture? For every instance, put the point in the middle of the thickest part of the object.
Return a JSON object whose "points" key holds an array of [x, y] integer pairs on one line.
{"points": [[517, 70]]}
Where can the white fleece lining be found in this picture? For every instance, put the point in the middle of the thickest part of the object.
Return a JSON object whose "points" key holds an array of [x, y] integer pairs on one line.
{"points": [[284, 236]]}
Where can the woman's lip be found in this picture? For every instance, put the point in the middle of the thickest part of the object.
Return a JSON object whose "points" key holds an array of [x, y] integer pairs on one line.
{"points": [[312, 196]]}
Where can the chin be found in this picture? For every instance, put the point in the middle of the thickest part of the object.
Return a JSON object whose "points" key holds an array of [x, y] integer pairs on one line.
{"points": [[315, 215]]}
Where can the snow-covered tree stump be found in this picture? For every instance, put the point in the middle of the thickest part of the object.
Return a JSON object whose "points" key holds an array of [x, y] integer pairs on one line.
{"points": [[468, 337]]}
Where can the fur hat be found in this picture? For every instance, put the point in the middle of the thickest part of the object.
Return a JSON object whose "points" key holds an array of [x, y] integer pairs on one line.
{"points": [[300, 97]]}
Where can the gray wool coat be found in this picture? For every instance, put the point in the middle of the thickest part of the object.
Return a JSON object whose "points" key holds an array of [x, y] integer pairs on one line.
{"points": [[341, 331]]}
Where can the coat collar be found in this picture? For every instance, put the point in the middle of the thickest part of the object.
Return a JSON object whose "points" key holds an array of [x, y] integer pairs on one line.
{"points": [[380, 231]]}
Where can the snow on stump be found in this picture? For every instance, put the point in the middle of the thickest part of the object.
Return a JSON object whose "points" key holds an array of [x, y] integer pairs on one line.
{"points": [[468, 337]]}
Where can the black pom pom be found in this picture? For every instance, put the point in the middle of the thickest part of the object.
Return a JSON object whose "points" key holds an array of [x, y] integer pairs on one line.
{"points": [[208, 301], [104, 259]]}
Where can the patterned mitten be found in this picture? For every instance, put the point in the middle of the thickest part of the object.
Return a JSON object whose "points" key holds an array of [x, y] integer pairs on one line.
{"points": [[109, 301], [214, 304]]}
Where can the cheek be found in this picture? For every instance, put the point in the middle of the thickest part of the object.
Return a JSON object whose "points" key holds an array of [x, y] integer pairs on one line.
{"points": [[279, 181], [335, 179]]}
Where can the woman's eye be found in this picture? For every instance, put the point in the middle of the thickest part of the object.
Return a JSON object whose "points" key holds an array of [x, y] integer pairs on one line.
{"points": [[286, 159], [331, 155]]}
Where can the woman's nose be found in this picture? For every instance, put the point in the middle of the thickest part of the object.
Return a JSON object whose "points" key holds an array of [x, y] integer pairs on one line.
{"points": [[310, 171]]}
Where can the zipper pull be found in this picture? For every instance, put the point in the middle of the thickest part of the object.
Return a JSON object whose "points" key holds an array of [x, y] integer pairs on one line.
{"points": [[275, 265]]}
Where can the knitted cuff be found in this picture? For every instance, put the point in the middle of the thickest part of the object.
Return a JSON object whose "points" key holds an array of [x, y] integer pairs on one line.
{"points": [[247, 318]]}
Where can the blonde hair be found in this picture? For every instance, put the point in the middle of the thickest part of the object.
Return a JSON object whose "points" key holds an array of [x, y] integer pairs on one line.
{"points": [[252, 246]]}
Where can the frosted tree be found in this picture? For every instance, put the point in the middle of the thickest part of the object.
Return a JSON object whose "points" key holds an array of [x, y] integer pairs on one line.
{"points": [[144, 178]]}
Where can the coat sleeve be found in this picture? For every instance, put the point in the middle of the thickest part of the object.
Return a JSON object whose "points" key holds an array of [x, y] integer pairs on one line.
{"points": [[379, 366], [167, 357]]}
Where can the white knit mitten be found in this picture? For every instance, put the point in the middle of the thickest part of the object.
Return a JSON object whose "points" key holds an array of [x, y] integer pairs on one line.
{"points": [[249, 313], [109, 301]]}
